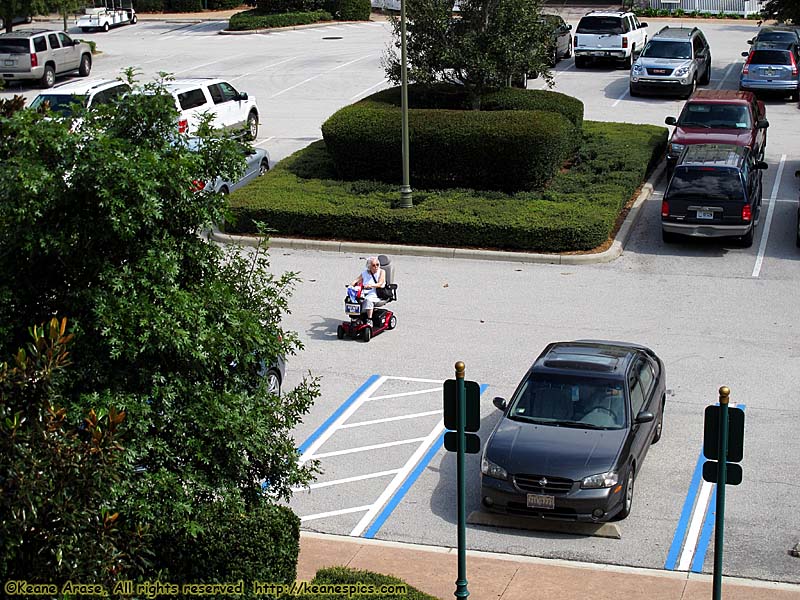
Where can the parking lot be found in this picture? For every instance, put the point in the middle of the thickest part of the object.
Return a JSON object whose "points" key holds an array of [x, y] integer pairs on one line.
{"points": [[716, 313]]}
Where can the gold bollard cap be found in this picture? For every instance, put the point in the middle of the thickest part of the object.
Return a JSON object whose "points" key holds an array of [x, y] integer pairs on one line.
{"points": [[724, 394], [460, 367]]}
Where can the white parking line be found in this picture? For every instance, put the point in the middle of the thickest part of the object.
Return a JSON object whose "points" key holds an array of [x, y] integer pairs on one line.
{"points": [[336, 513], [620, 98], [765, 236], [272, 137], [316, 486], [318, 76], [390, 419], [367, 448], [269, 66], [369, 89], [694, 528], [419, 380], [401, 394], [213, 62], [725, 76]]}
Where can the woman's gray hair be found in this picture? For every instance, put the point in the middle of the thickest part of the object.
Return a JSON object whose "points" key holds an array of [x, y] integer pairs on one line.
{"points": [[371, 260]]}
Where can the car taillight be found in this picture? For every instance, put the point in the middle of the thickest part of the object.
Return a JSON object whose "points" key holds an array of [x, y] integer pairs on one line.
{"points": [[747, 213], [624, 42], [34, 60], [183, 126], [794, 64], [576, 41], [746, 68], [197, 185], [664, 208]]}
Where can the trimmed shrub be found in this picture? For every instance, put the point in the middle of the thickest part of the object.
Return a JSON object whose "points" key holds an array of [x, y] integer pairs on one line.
{"points": [[257, 544], [183, 5], [497, 150], [253, 19], [223, 4], [144, 6], [354, 10], [577, 211], [274, 7]]}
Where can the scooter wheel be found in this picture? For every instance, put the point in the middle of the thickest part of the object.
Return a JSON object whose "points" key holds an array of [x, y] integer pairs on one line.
{"points": [[367, 333], [340, 332], [392, 322]]}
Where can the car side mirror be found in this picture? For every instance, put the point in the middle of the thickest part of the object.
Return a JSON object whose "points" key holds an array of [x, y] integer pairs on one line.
{"points": [[500, 403], [762, 124], [242, 96], [645, 417], [750, 41], [569, 26], [642, 25], [762, 165], [745, 54], [671, 121]]}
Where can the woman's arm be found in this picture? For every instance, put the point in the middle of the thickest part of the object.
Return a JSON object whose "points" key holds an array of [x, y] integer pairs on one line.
{"points": [[381, 280], [358, 281]]}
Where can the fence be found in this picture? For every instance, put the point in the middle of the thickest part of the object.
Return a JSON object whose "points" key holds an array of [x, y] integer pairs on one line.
{"points": [[742, 7]]}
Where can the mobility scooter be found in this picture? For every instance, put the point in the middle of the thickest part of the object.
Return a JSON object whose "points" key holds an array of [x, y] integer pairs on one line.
{"points": [[382, 318]]}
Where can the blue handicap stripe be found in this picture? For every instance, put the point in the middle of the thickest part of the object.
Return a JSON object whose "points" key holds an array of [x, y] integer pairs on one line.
{"points": [[686, 513]]}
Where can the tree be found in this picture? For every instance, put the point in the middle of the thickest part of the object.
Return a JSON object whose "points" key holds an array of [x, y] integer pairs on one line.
{"points": [[490, 44], [99, 220], [19, 8], [782, 10]]}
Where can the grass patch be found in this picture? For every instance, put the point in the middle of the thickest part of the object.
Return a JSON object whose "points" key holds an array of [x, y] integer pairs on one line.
{"points": [[302, 197]]}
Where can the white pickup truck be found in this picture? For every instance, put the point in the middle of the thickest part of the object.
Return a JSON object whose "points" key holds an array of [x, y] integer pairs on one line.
{"points": [[609, 34], [104, 18]]}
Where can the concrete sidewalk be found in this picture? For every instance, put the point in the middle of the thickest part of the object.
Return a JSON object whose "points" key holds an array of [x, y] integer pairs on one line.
{"points": [[500, 576]]}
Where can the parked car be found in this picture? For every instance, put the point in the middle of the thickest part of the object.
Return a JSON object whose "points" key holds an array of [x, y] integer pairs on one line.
{"points": [[63, 98], [560, 37], [231, 110], [41, 55], [719, 117], [772, 67], [777, 33], [609, 34], [575, 433], [674, 61], [715, 191], [256, 164], [16, 21]]}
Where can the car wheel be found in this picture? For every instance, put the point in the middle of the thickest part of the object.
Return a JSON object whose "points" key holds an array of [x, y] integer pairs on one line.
{"points": [[367, 335], [554, 56], [568, 54], [793, 96], [340, 332], [627, 498], [274, 383], [747, 239], [86, 65], [659, 425], [106, 27], [263, 167], [628, 62], [49, 78], [134, 20], [252, 126], [224, 191], [86, 29], [392, 322], [580, 62], [668, 237]]}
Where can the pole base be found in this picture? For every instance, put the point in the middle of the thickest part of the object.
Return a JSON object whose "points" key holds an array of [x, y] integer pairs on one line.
{"points": [[405, 197]]}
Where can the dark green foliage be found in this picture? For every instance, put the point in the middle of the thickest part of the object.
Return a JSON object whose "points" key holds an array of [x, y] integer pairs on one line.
{"points": [[502, 150], [183, 5], [345, 576], [260, 544], [576, 211], [782, 10], [223, 4], [145, 6], [354, 10], [253, 19], [271, 7], [61, 519]]}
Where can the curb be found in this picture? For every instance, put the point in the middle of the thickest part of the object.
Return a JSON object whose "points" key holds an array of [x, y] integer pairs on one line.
{"points": [[608, 255]]}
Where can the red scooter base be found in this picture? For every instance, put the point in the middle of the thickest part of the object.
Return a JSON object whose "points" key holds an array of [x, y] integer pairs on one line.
{"points": [[356, 328]]}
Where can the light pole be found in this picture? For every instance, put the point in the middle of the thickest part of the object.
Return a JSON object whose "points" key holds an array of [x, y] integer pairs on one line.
{"points": [[405, 189]]}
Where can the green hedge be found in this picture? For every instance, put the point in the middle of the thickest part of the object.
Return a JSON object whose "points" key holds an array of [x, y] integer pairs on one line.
{"points": [[144, 6], [302, 197], [354, 10], [223, 4], [183, 5], [498, 150], [345, 576], [254, 19], [259, 544]]}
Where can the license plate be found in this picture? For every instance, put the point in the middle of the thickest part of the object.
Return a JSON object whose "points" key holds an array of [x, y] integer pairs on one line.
{"points": [[702, 214], [539, 501], [352, 309], [8, 63]]}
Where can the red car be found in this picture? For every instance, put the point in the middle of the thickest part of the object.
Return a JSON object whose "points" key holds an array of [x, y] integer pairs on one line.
{"points": [[719, 117]]}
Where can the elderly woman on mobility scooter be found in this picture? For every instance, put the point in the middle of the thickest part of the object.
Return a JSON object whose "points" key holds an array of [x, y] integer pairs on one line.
{"points": [[365, 295]]}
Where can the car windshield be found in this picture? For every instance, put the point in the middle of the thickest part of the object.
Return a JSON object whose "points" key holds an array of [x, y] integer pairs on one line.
{"points": [[716, 116], [777, 36], [706, 183], [64, 104], [580, 402], [15, 46], [600, 25], [770, 57], [659, 49]]}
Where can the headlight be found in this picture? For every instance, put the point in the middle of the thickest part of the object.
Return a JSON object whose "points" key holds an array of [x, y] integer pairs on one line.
{"points": [[601, 480], [680, 71], [490, 469], [637, 68], [676, 148]]}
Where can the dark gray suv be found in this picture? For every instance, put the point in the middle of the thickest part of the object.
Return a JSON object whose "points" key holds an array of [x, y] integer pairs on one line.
{"points": [[674, 61]]}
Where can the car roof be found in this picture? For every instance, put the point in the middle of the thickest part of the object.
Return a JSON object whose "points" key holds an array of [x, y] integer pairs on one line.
{"points": [[675, 33], [722, 97], [716, 155], [83, 87], [790, 28], [189, 82], [25, 33], [607, 13], [587, 357]]}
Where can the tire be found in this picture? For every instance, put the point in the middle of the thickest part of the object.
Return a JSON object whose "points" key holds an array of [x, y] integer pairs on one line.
{"points": [[340, 332], [628, 62], [49, 78], [252, 126], [274, 383], [669, 237], [747, 239], [224, 191], [580, 62], [659, 425], [86, 65], [554, 56], [627, 498], [263, 167], [569, 49], [793, 96], [134, 20], [105, 27], [367, 334], [392, 322], [86, 29]]}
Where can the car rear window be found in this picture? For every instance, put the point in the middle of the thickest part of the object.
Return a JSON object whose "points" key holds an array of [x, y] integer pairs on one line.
{"points": [[191, 99], [709, 183], [777, 36], [62, 104], [15, 46], [600, 25], [770, 57]]}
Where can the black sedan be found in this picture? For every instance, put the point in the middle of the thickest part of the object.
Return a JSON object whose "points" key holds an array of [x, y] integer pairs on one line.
{"points": [[575, 433]]}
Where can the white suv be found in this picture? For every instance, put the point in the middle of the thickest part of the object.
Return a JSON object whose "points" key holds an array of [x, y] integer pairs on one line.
{"points": [[609, 34], [232, 110], [88, 93]]}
